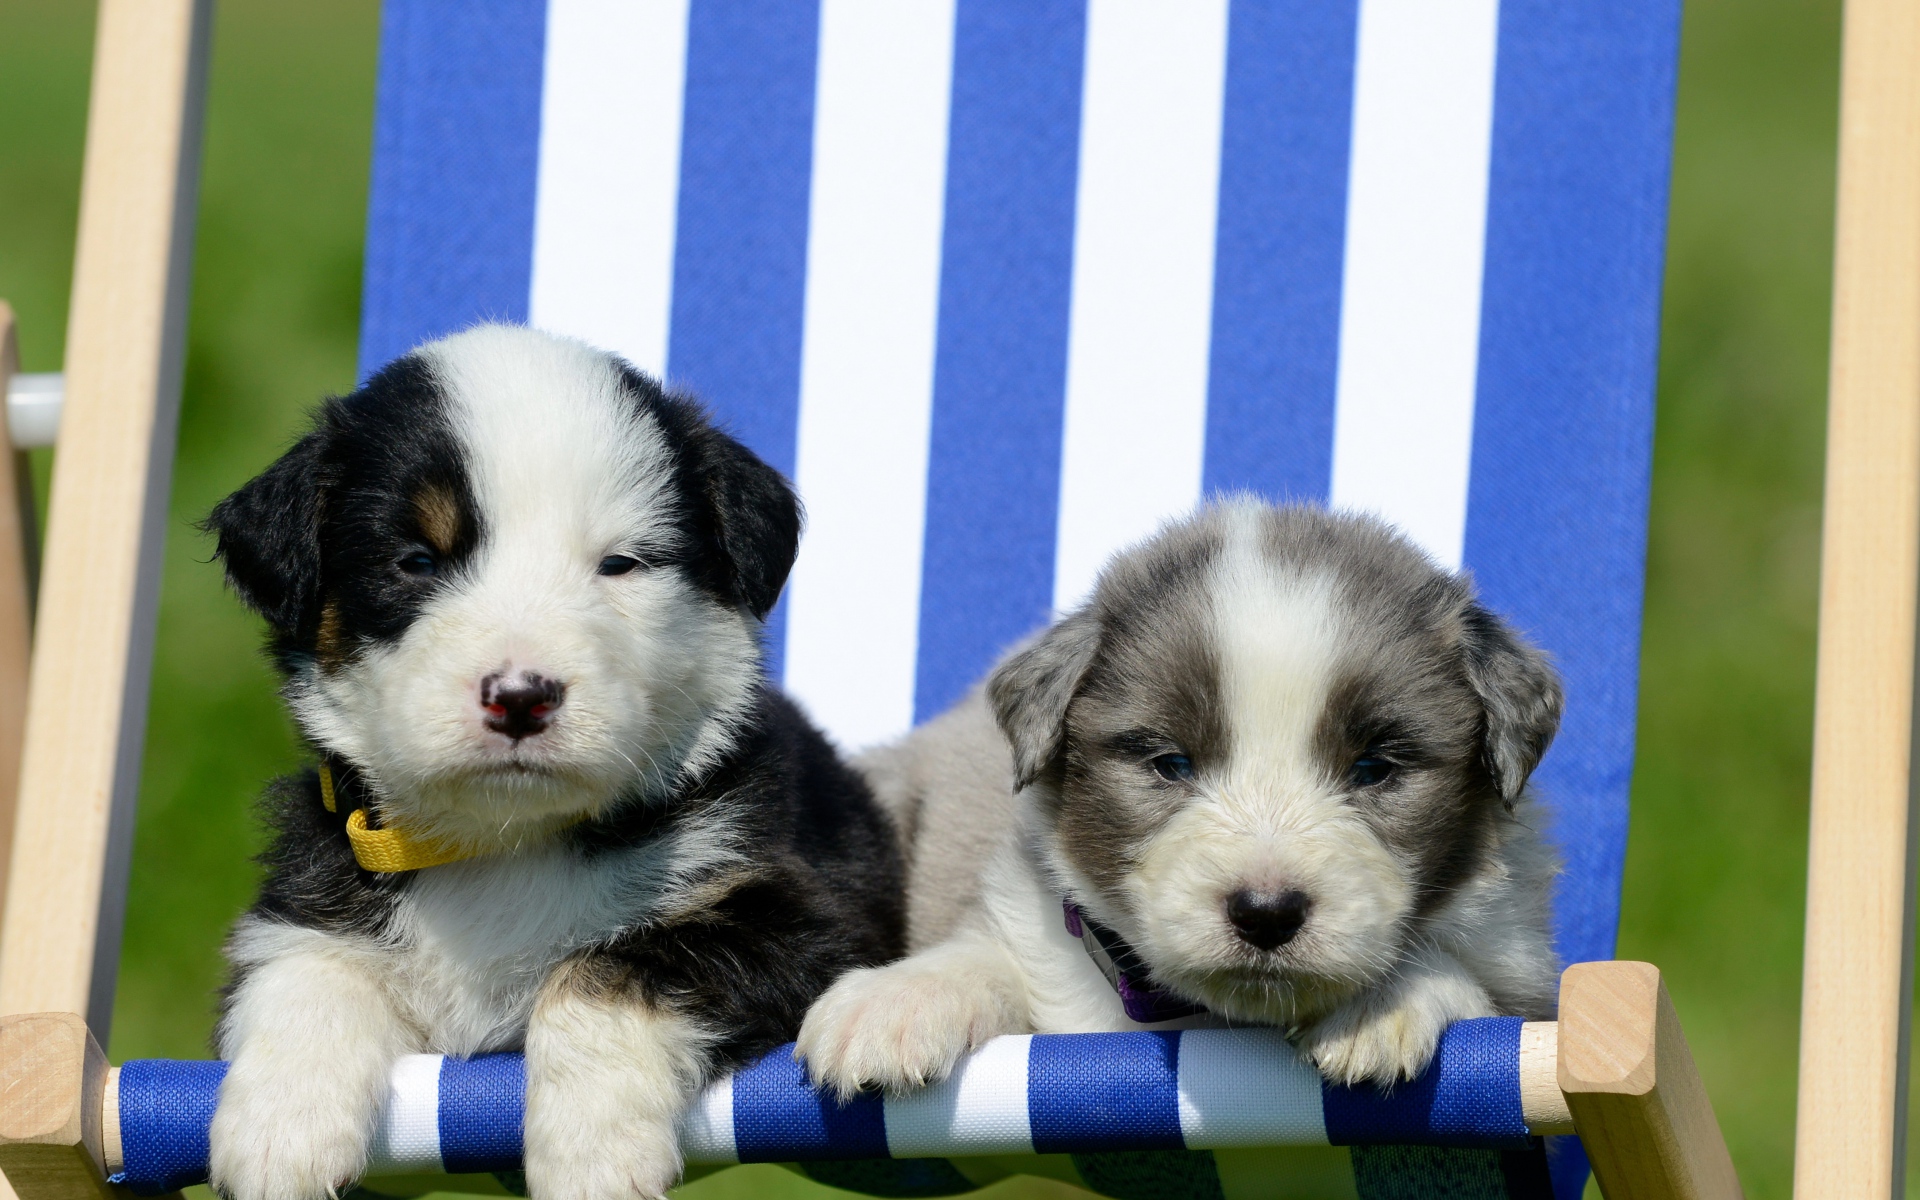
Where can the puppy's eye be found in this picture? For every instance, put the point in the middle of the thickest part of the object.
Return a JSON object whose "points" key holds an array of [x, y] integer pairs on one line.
{"points": [[1368, 770], [418, 563], [1174, 768], [617, 564]]}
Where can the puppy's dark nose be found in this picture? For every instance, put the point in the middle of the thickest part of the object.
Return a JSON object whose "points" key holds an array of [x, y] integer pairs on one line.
{"points": [[519, 705], [1268, 919]]}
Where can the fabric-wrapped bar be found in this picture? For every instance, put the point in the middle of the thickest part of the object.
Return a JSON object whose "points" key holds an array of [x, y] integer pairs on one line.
{"points": [[1195, 1089]]}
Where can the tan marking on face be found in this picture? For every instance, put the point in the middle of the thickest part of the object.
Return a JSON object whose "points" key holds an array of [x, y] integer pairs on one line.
{"points": [[438, 512]]}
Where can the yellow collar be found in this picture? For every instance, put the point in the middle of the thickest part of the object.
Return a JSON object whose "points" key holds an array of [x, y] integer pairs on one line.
{"points": [[390, 851]]}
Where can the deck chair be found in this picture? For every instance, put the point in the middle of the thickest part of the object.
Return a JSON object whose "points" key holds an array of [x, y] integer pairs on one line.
{"points": [[1002, 285]]}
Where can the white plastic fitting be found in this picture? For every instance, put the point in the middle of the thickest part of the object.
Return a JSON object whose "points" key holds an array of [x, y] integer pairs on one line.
{"points": [[33, 410]]}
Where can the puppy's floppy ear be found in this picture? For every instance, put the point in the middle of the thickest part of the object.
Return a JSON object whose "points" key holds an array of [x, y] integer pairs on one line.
{"points": [[758, 519], [1030, 692], [1520, 692], [269, 535]]}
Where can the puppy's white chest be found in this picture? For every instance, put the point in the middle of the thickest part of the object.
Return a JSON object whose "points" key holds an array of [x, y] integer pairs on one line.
{"points": [[1066, 991], [474, 941]]}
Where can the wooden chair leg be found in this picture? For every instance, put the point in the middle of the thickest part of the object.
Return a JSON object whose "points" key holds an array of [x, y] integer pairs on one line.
{"points": [[1637, 1100], [66, 888], [18, 545], [1857, 990]]}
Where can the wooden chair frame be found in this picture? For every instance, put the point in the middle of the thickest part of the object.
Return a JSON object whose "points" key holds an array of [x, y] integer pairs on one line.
{"points": [[19, 562], [1621, 1068], [86, 704], [1615, 1068], [1858, 975]]}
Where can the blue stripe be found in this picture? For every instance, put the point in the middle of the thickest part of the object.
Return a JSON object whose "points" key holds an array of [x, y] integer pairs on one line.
{"points": [[1280, 244], [778, 1117], [999, 391], [740, 252], [1470, 1096], [1568, 1167], [1093, 1092], [456, 144], [483, 1103], [1557, 518], [166, 1109]]}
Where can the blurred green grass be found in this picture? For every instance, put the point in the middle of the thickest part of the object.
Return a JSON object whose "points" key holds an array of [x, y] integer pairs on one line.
{"points": [[1716, 862]]}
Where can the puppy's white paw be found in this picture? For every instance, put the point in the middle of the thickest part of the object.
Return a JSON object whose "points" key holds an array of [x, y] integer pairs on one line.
{"points": [[584, 1148], [286, 1136], [1365, 1045], [311, 1040], [1390, 1034], [608, 1076], [901, 1026]]}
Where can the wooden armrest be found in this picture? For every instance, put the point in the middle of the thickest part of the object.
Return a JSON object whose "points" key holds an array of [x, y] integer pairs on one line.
{"points": [[53, 1079], [1636, 1098]]}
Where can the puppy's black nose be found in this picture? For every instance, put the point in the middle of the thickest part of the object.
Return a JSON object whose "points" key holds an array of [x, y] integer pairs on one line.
{"points": [[519, 705], [1268, 919]]}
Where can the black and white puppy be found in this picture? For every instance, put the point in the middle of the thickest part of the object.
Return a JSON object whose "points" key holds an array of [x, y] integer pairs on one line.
{"points": [[1276, 768], [516, 592]]}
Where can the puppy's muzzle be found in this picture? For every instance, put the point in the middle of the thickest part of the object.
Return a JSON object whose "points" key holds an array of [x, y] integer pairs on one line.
{"points": [[1267, 920], [520, 705]]}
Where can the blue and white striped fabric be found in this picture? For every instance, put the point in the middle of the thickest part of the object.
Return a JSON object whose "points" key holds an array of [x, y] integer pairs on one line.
{"points": [[1198, 1089], [1004, 283]]}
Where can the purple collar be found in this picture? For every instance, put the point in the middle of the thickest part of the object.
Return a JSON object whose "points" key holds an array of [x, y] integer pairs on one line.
{"points": [[1121, 964]]}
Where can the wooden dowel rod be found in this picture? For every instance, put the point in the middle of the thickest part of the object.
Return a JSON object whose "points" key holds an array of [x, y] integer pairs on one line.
{"points": [[113, 1157], [1542, 1102]]}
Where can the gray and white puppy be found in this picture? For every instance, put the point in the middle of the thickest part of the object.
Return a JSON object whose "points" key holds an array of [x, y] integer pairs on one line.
{"points": [[1277, 763]]}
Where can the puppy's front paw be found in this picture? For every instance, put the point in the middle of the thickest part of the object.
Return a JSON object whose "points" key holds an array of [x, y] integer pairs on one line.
{"points": [[1382, 1046], [1390, 1034], [580, 1149], [279, 1138], [900, 1026], [607, 1079]]}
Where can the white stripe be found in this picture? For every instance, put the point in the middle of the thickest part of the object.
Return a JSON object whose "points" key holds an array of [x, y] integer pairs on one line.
{"points": [[706, 1129], [407, 1139], [866, 374], [980, 1109], [1142, 277], [1416, 228], [603, 225], [1247, 1087]]}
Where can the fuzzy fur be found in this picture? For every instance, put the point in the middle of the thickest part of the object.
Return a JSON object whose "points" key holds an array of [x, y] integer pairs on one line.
{"points": [[1357, 732], [516, 591]]}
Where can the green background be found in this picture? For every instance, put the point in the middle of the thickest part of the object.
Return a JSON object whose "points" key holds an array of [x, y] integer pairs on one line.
{"points": [[1716, 862]]}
